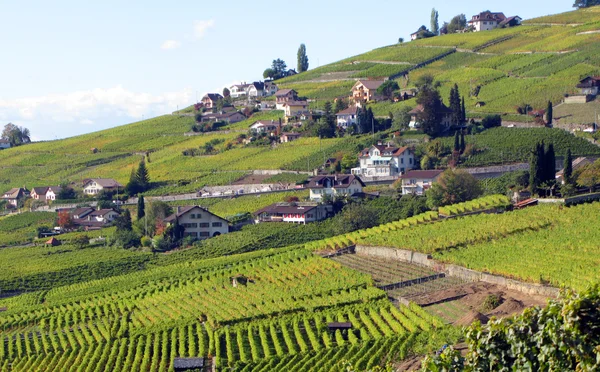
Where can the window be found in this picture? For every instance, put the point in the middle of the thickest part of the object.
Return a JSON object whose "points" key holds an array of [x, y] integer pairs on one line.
{"points": [[204, 233], [217, 224], [204, 224], [410, 160], [189, 225], [401, 160]]}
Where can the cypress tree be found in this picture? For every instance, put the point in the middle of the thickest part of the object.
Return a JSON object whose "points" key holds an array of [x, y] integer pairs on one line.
{"points": [[463, 116], [456, 142], [568, 172], [462, 142], [550, 163], [143, 178], [534, 170], [133, 186], [455, 105], [141, 208], [549, 114]]}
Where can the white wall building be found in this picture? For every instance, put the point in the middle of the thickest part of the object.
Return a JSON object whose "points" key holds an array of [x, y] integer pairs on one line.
{"points": [[199, 222], [94, 186], [418, 181], [334, 186], [348, 117], [384, 161]]}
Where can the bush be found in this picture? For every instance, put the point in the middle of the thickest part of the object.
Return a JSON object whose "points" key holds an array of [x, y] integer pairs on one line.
{"points": [[146, 241], [491, 121]]}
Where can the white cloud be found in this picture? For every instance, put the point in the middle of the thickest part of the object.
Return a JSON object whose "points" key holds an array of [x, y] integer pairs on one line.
{"points": [[200, 27], [170, 44], [63, 115]]}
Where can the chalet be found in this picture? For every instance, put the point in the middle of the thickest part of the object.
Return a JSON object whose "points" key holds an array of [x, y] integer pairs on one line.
{"points": [[102, 215], [348, 117], [284, 95], [188, 364], [39, 193], [239, 90], [210, 99], [421, 33], [589, 85], [256, 89], [4, 144], [418, 181], [335, 185], [365, 90], [270, 88], [289, 137], [295, 108], [415, 116], [94, 186], [300, 213], [15, 195], [198, 222], [229, 117], [264, 126], [384, 161], [52, 192], [486, 21]]}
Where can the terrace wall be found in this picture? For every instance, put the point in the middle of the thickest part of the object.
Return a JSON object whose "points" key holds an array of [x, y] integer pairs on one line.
{"points": [[456, 271]]}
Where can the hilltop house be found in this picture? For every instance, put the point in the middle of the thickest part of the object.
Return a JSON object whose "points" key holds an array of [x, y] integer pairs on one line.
{"points": [[91, 219], [264, 126], [300, 213], [239, 90], [348, 117], [336, 185], [365, 90], [415, 116], [39, 193], [384, 161], [284, 95], [589, 85], [4, 144], [418, 181], [295, 108], [15, 195], [198, 222], [487, 20], [210, 99], [52, 192], [94, 186]]}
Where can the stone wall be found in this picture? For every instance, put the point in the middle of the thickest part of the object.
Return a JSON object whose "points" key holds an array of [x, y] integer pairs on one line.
{"points": [[456, 271]]}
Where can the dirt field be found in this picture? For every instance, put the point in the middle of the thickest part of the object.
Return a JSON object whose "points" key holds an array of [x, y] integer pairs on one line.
{"points": [[252, 179]]}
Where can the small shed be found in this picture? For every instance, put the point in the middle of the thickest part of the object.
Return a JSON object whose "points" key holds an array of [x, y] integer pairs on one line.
{"points": [[480, 104], [188, 364], [343, 327], [94, 150], [240, 280], [53, 242]]}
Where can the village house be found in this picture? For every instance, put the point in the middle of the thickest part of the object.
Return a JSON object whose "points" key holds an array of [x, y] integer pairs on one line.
{"points": [[239, 90], [284, 95], [384, 161], [289, 137], [105, 216], [365, 90], [270, 88], [198, 222], [210, 100], [295, 108], [15, 195], [4, 144], [418, 181], [264, 126], [486, 21], [94, 186], [80, 213], [229, 117], [52, 192], [338, 185], [348, 117], [300, 213], [415, 117], [589, 85], [39, 193], [577, 163]]}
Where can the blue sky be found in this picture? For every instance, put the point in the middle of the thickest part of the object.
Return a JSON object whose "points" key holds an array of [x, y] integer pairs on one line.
{"points": [[71, 67]]}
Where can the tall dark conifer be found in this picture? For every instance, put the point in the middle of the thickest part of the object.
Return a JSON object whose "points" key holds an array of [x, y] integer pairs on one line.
{"points": [[143, 178], [550, 164], [568, 172], [456, 142], [463, 111], [141, 208], [462, 142]]}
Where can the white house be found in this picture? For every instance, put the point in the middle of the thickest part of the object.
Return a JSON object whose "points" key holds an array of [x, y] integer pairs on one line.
{"points": [[52, 192], [487, 20], [300, 213], [13, 196], [39, 193], [94, 186], [199, 222], [270, 88], [415, 116], [239, 90], [264, 126], [289, 137], [418, 181], [4, 144], [348, 117], [336, 185], [295, 108], [384, 161], [102, 215]]}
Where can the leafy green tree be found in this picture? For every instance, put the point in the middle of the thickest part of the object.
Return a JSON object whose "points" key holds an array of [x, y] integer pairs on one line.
{"points": [[425, 80], [536, 168], [355, 216], [349, 161], [81, 241], [463, 116], [463, 146], [340, 105], [457, 23], [453, 186], [431, 116], [226, 92], [141, 208], [435, 23], [302, 59], [590, 176], [400, 40], [279, 68], [401, 118], [491, 121], [387, 88], [15, 134], [568, 171], [549, 114], [550, 164], [123, 222], [269, 74], [585, 3], [66, 193]]}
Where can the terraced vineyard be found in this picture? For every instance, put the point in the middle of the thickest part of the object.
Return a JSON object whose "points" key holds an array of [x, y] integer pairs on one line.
{"points": [[383, 271]]}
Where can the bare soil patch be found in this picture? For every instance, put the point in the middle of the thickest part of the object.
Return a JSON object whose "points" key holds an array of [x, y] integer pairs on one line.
{"points": [[252, 179]]}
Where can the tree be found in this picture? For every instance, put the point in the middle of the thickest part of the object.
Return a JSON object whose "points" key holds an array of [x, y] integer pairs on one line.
{"points": [[387, 88], [491, 121], [456, 142], [400, 40], [141, 208], [568, 171], [81, 241], [16, 135], [435, 24], [142, 176], [431, 117], [550, 164], [456, 117], [340, 105], [279, 69], [424, 33], [453, 186], [549, 114], [463, 146], [123, 222], [425, 80], [64, 220], [590, 176], [457, 23], [354, 217], [585, 3], [401, 118], [226, 92], [269, 74], [463, 116], [66, 193], [302, 59], [133, 186]]}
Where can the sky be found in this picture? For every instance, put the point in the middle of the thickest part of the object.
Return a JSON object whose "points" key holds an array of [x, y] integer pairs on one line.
{"points": [[72, 67]]}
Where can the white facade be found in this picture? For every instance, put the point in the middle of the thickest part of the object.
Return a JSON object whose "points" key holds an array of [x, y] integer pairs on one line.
{"points": [[417, 182], [347, 118], [94, 186], [103, 216], [51, 195], [238, 90], [4, 144], [201, 224], [385, 162], [318, 193]]}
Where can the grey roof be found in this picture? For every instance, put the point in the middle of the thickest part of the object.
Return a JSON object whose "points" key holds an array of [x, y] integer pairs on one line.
{"points": [[182, 363], [283, 92], [54, 189], [213, 96], [335, 181], [40, 190], [102, 212], [183, 210], [83, 211], [104, 182]]}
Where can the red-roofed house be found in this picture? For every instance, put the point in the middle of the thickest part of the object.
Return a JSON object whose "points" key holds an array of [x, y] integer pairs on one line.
{"points": [[384, 161], [418, 181], [366, 90]]}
